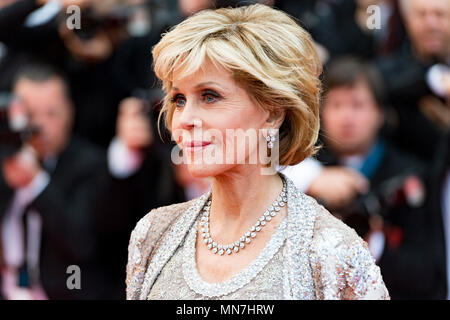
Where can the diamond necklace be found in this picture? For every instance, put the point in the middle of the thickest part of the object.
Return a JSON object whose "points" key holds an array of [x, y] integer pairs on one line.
{"points": [[215, 247]]}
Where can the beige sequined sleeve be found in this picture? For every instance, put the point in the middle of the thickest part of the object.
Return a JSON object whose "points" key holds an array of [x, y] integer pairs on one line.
{"points": [[342, 265], [139, 250], [144, 238]]}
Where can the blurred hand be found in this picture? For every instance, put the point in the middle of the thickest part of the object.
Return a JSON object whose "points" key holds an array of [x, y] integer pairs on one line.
{"points": [[94, 50], [133, 126], [436, 111], [376, 223], [5, 3], [42, 2], [446, 83], [20, 169], [79, 3], [337, 186]]}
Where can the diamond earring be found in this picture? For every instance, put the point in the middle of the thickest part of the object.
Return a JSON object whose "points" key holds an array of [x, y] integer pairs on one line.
{"points": [[270, 138]]}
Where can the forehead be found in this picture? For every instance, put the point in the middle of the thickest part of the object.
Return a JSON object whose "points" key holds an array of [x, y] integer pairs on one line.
{"points": [[37, 93], [440, 5], [208, 73], [359, 86]]}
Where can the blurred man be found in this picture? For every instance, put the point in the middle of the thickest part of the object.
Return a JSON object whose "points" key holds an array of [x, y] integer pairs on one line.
{"points": [[438, 204], [414, 77], [428, 25], [417, 79], [98, 76], [390, 214], [48, 195]]}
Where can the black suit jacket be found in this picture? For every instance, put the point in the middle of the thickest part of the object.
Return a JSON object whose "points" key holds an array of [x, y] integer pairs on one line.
{"points": [[434, 223], [124, 203], [405, 81], [67, 207]]}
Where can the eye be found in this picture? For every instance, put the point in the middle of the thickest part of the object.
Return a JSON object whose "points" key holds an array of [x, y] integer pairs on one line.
{"points": [[210, 96], [179, 100]]}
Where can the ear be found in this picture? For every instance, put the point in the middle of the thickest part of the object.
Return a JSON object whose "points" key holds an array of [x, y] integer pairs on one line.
{"points": [[276, 118]]}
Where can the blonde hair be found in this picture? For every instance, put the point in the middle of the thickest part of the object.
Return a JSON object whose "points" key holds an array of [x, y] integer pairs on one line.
{"points": [[267, 53]]}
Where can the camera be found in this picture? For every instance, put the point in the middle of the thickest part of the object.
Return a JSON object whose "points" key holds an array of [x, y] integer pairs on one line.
{"points": [[404, 190], [15, 129]]}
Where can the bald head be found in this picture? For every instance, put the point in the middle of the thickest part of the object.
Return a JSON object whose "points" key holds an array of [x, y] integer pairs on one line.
{"points": [[428, 26]]}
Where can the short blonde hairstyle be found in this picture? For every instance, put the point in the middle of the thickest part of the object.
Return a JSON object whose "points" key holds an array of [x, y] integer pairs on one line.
{"points": [[267, 53]]}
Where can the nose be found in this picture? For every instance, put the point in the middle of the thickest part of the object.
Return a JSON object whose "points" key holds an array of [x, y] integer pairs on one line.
{"points": [[432, 21], [189, 117], [186, 122], [347, 112], [38, 121]]}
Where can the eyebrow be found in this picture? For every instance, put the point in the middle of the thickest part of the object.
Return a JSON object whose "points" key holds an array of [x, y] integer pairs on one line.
{"points": [[203, 84]]}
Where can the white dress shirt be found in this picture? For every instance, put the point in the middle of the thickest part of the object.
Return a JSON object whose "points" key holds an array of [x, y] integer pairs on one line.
{"points": [[123, 161], [303, 174], [12, 233]]}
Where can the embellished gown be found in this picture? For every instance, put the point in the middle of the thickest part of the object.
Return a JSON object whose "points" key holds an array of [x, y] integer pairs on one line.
{"points": [[311, 255]]}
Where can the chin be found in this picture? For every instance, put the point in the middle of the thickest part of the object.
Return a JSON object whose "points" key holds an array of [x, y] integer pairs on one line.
{"points": [[433, 47], [206, 170]]}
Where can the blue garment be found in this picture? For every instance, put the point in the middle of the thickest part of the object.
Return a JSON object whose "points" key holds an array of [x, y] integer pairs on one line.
{"points": [[373, 160]]}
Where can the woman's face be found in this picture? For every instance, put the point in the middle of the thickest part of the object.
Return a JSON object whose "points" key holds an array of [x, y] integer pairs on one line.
{"points": [[215, 122]]}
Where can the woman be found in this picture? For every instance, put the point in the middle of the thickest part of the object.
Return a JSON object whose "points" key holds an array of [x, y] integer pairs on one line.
{"points": [[253, 235]]}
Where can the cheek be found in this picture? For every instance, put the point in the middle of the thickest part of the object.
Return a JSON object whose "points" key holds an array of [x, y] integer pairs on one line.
{"points": [[56, 129], [174, 123], [173, 128], [330, 120], [366, 123]]}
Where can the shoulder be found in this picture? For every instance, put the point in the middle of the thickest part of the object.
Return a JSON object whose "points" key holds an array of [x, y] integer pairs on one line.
{"points": [[328, 228], [143, 240], [329, 233], [343, 267], [158, 220]]}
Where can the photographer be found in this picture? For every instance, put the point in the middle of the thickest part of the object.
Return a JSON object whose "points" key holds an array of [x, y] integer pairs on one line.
{"points": [[438, 206], [390, 214], [415, 77], [28, 29], [48, 196], [100, 57]]}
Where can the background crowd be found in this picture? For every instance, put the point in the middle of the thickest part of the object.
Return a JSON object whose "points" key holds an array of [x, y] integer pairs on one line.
{"points": [[82, 160]]}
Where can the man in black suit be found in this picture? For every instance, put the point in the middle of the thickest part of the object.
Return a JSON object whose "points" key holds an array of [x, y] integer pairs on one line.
{"points": [[48, 195], [414, 77], [438, 220], [391, 213]]}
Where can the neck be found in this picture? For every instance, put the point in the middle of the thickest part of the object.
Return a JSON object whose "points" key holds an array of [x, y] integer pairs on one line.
{"points": [[240, 198], [427, 58], [361, 151]]}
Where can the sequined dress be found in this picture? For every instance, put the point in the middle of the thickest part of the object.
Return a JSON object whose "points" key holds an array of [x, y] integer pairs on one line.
{"points": [[311, 255]]}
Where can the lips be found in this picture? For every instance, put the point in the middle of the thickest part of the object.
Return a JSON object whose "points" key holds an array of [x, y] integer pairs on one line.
{"points": [[195, 145]]}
